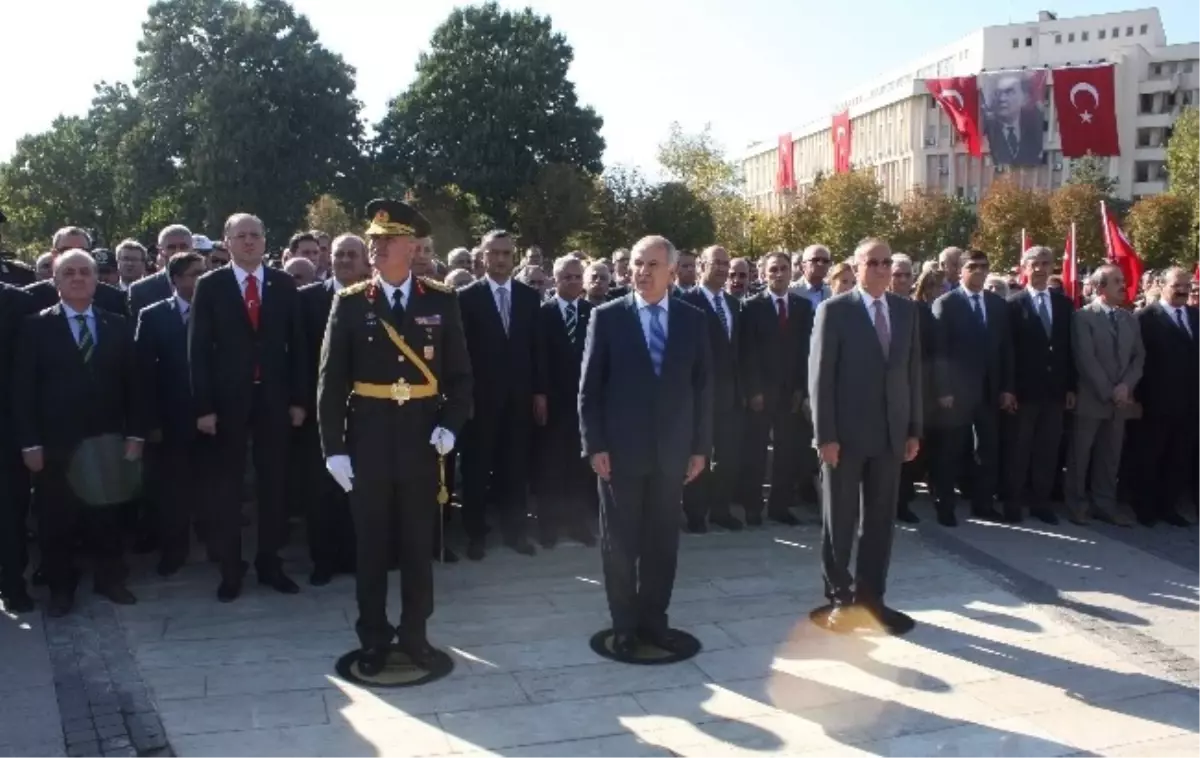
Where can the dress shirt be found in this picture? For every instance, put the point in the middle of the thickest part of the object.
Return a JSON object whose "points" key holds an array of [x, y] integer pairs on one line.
{"points": [[644, 316], [507, 287], [869, 302], [183, 306], [242, 274], [1035, 294], [1171, 313], [982, 304], [562, 306], [389, 291], [814, 295], [73, 319]]}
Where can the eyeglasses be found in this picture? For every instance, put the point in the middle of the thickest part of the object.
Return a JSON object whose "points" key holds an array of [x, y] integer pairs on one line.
{"points": [[874, 263], [822, 261]]}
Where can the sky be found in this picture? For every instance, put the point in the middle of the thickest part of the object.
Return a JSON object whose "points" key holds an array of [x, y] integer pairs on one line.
{"points": [[753, 69]]}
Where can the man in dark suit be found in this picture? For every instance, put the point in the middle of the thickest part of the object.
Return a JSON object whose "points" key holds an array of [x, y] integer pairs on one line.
{"points": [[776, 328], [865, 382], [645, 412], [161, 345], [973, 377], [330, 528], [566, 481], [1166, 448], [15, 305], [1044, 385], [151, 289], [45, 293], [75, 380], [250, 378], [500, 320], [1013, 123], [710, 496]]}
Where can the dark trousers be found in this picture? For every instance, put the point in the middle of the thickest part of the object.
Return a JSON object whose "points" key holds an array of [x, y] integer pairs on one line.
{"points": [[714, 490], [969, 448], [14, 512], [782, 429], [266, 435], [495, 462], [639, 533], [182, 492], [393, 506], [322, 501], [873, 483], [62, 518], [565, 482], [1032, 459], [1166, 473]]}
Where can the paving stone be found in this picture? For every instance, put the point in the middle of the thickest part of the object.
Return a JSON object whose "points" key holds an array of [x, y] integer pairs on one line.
{"points": [[77, 736], [84, 749], [115, 743], [74, 725]]}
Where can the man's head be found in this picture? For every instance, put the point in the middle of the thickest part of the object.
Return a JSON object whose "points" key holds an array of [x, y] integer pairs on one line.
{"points": [[816, 260], [304, 245], [393, 238], [1109, 285], [1010, 97], [950, 259], [349, 259], [326, 244], [184, 269], [714, 267], [568, 278], [75, 277], [70, 238], [996, 284], [621, 271], [739, 276], [131, 260], [902, 275], [460, 257], [533, 256], [423, 261], [652, 264], [246, 239], [459, 278], [219, 256], [498, 251], [106, 266], [597, 280], [175, 238], [777, 267], [1037, 263], [685, 269], [535, 277], [873, 266], [1176, 286], [975, 270], [302, 270], [44, 268]]}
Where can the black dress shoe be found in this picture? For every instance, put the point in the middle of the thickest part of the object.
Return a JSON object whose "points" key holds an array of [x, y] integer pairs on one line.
{"points": [[60, 604], [662, 639], [947, 518], [228, 590], [1174, 519], [521, 546], [170, 566], [475, 550], [420, 654], [1013, 515], [753, 519], [17, 599], [320, 576], [843, 618], [891, 620], [907, 516], [1045, 515], [372, 660], [584, 536], [624, 645], [278, 581], [784, 517], [117, 593], [987, 513], [727, 521]]}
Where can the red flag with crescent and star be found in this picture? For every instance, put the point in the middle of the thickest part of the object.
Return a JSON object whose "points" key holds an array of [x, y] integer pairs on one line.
{"points": [[785, 170], [959, 98], [840, 129], [1085, 98], [1121, 253]]}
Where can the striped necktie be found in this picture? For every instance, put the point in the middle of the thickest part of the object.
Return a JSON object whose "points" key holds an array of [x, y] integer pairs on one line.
{"points": [[718, 306], [571, 320], [87, 345], [657, 341]]}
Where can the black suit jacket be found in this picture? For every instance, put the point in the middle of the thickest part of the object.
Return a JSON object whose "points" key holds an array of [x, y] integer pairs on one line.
{"points": [[558, 364], [224, 348], [646, 423], [160, 342], [1043, 367], [1029, 141], [58, 399], [316, 301], [503, 364], [147, 291], [618, 291], [970, 364], [1171, 375], [724, 347], [775, 361], [108, 297], [15, 305]]}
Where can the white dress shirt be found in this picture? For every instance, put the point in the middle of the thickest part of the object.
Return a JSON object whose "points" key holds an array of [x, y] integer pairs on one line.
{"points": [[73, 320], [562, 306], [183, 306], [507, 287], [717, 301], [389, 291], [242, 275]]}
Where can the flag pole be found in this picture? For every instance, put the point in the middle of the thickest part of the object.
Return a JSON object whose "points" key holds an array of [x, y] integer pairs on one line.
{"points": [[1075, 291], [1108, 248]]}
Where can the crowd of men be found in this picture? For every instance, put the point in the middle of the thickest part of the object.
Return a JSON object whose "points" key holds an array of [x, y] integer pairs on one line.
{"points": [[1027, 399]]}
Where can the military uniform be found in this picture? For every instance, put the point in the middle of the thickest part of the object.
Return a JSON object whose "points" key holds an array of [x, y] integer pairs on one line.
{"points": [[384, 385]]}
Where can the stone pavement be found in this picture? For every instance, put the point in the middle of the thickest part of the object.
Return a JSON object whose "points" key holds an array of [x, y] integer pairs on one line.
{"points": [[1032, 640]]}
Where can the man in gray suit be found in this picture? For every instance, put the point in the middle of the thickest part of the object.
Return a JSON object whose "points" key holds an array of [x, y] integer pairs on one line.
{"points": [[1107, 343], [865, 386]]}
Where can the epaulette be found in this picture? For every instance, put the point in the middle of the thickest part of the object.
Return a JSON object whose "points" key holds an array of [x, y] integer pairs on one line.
{"points": [[434, 284], [354, 289]]}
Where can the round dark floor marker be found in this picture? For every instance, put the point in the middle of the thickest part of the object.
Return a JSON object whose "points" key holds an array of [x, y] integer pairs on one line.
{"points": [[399, 671], [686, 646]]}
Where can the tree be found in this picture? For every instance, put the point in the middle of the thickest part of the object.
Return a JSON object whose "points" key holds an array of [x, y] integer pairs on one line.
{"points": [[1159, 228], [616, 212], [1006, 209], [490, 106], [454, 215], [799, 225], [676, 212], [699, 163], [1183, 169], [327, 214], [1093, 170], [555, 204], [848, 208], [1078, 204], [928, 221]]}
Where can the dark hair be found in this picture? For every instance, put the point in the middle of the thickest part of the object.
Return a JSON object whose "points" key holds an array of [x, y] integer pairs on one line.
{"points": [[179, 263], [298, 237], [976, 255]]}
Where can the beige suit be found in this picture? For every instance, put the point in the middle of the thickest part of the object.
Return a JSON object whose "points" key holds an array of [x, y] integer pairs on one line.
{"points": [[1108, 351]]}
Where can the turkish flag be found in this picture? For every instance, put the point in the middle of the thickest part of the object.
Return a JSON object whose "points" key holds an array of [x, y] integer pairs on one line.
{"points": [[1086, 100], [785, 171], [959, 98], [1121, 254], [1070, 269], [840, 128]]}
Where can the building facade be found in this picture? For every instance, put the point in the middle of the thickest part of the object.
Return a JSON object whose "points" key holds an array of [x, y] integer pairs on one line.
{"points": [[901, 134]]}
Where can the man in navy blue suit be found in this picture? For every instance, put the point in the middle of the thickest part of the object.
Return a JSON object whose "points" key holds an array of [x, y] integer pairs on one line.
{"points": [[645, 415]]}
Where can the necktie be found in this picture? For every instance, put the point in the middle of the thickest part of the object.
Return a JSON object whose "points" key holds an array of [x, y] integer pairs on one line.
{"points": [[398, 307], [1116, 336], [571, 321], [717, 306], [502, 306], [881, 328], [657, 342], [1043, 312], [87, 345], [978, 308], [253, 304], [1010, 136], [781, 304], [1181, 323]]}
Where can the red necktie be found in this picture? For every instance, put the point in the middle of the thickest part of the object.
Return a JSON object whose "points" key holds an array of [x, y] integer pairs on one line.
{"points": [[253, 306], [782, 304]]}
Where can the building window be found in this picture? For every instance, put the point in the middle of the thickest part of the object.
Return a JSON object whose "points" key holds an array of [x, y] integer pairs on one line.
{"points": [[1145, 28], [1083, 36], [1071, 37], [1058, 39], [1129, 31], [1146, 104], [1188, 66], [1188, 97], [1143, 138], [1116, 32], [1168, 101], [1016, 42], [1102, 33], [1155, 69], [1029, 42]]}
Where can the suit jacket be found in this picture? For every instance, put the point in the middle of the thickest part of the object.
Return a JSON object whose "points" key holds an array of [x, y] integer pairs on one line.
{"points": [[867, 403], [503, 364], [224, 348], [971, 365], [1029, 144], [316, 301], [618, 291], [724, 347], [1043, 367], [147, 291], [1104, 358], [775, 362], [108, 297], [15, 305], [58, 399], [160, 342], [558, 364], [647, 423], [1171, 375]]}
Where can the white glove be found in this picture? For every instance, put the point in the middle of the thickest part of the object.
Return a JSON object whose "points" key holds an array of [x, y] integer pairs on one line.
{"points": [[341, 471], [442, 440]]}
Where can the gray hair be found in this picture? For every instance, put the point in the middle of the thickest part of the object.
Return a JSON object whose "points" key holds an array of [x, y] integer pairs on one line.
{"points": [[130, 244], [652, 241], [75, 254], [597, 266], [70, 231], [238, 217], [348, 237], [948, 253], [814, 249], [299, 262], [172, 230], [459, 277], [999, 282], [563, 261], [1034, 252], [865, 245], [1174, 271], [45, 258], [901, 258]]}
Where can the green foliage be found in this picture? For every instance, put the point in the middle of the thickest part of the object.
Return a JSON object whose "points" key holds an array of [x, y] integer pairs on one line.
{"points": [[490, 106], [700, 164], [928, 221], [1093, 170], [615, 218], [1006, 209], [675, 211], [327, 214], [1183, 170], [556, 203], [1078, 204], [849, 207], [1159, 228], [455, 216]]}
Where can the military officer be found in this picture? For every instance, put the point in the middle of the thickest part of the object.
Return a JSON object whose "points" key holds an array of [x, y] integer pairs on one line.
{"points": [[13, 271], [393, 391]]}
